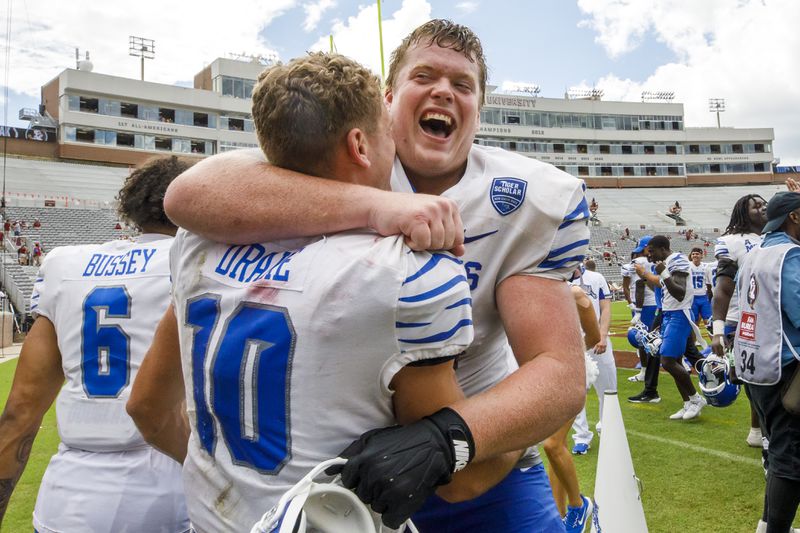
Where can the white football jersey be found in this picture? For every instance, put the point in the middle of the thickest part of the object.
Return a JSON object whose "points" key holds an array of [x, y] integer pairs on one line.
{"points": [[735, 247], [105, 302], [521, 216], [629, 271], [288, 350], [711, 273], [676, 262], [596, 288], [697, 278]]}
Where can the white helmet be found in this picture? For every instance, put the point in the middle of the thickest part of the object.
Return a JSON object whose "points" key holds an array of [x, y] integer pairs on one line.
{"points": [[320, 508]]}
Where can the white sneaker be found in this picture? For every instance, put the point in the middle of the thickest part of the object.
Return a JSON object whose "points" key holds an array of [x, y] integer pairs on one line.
{"points": [[754, 438], [693, 411], [762, 527], [678, 415], [637, 377]]}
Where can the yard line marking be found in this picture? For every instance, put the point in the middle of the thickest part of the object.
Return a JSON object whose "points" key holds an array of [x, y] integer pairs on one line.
{"points": [[680, 444]]}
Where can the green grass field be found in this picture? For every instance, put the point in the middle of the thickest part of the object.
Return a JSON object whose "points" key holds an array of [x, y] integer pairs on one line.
{"points": [[697, 476]]}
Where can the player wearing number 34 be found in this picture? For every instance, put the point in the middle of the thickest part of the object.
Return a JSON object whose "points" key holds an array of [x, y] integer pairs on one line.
{"points": [[766, 350], [97, 308]]}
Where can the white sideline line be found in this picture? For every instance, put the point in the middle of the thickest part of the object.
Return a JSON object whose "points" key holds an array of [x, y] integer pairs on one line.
{"points": [[680, 444]]}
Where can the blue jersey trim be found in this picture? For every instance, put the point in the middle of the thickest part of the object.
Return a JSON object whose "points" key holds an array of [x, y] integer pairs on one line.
{"points": [[437, 291], [432, 262], [561, 262], [411, 324], [444, 335], [580, 211], [465, 301], [559, 251]]}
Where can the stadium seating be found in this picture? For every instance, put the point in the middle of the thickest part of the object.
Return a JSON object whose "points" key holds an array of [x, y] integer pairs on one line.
{"points": [[60, 227]]}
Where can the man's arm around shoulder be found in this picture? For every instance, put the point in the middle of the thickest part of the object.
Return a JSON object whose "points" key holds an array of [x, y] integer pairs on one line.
{"points": [[237, 197]]}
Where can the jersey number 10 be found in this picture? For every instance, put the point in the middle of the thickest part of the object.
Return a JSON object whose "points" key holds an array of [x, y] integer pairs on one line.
{"points": [[248, 380]]}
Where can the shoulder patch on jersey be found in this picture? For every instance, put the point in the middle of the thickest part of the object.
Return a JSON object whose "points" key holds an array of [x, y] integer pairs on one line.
{"points": [[507, 194]]}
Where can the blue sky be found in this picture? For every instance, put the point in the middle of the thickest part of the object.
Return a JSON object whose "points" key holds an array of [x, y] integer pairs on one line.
{"points": [[747, 51]]}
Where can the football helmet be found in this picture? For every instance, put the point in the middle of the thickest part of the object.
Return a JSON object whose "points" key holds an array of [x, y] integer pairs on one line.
{"points": [[636, 333], [715, 382], [321, 508], [640, 337]]}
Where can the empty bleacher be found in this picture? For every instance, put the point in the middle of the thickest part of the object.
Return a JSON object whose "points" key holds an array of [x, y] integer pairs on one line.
{"points": [[60, 227]]}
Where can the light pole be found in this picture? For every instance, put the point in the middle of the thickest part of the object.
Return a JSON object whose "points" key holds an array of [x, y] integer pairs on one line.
{"points": [[143, 48], [716, 105]]}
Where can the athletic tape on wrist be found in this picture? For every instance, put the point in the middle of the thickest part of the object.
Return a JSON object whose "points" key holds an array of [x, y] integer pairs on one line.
{"points": [[718, 326], [664, 274]]}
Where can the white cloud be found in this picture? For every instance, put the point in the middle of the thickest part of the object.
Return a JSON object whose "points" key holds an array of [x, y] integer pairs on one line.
{"points": [[357, 37], [744, 51], [314, 13], [185, 34], [467, 7]]}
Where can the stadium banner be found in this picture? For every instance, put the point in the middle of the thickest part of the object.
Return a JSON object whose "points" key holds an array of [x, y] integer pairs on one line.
{"points": [[784, 169], [29, 134]]}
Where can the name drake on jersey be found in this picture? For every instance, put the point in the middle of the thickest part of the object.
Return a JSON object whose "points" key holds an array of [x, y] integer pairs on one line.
{"points": [[131, 262], [248, 263]]}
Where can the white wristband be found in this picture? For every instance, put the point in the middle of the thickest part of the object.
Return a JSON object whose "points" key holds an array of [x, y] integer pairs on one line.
{"points": [[664, 274], [719, 327]]}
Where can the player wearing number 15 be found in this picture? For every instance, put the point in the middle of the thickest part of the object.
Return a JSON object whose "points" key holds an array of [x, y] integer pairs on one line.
{"points": [[96, 308]]}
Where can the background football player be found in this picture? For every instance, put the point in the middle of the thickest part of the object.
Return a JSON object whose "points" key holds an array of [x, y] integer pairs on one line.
{"points": [[97, 307]]}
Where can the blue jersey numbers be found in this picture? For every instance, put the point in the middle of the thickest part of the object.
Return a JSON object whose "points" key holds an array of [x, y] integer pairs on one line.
{"points": [[105, 349], [248, 380]]}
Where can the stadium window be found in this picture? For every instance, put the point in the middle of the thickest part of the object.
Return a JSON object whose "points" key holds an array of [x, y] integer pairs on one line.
{"points": [[148, 112], [583, 171], [558, 148], [249, 85], [671, 149], [166, 115], [694, 148], [185, 117], [759, 148], [582, 149], [605, 171], [651, 171], [73, 102], [627, 149], [738, 149], [163, 143], [89, 105], [759, 167], [715, 149], [84, 135], [125, 139], [227, 86], [512, 146], [109, 107], [69, 133], [673, 171], [129, 110], [715, 169], [676, 125], [649, 150], [235, 124], [605, 149], [512, 119], [562, 168]]}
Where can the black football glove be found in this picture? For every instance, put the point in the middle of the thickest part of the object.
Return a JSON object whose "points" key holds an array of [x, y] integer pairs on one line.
{"points": [[395, 469]]}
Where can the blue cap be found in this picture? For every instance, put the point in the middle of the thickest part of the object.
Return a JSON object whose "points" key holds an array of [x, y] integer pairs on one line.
{"points": [[642, 244]]}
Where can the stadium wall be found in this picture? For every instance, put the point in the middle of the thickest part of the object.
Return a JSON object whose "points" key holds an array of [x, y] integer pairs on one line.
{"points": [[28, 148], [111, 155]]}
